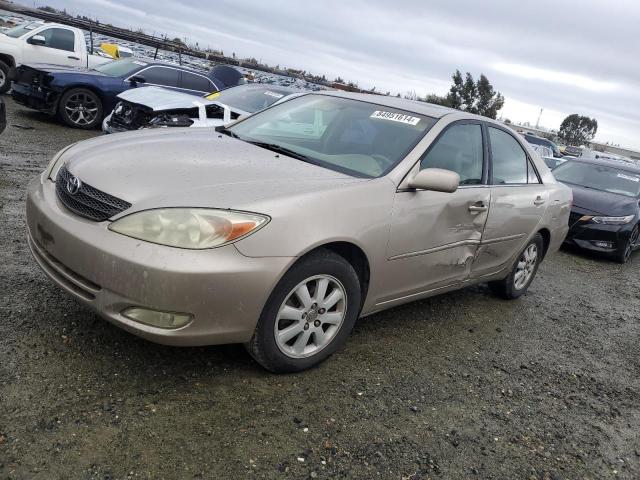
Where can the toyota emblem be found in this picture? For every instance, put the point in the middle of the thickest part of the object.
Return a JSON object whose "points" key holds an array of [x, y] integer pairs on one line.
{"points": [[73, 185]]}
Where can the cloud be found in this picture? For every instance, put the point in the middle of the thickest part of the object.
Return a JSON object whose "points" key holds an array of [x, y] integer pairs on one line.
{"points": [[563, 56]]}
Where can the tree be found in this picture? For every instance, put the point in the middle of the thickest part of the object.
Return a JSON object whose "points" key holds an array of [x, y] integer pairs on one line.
{"points": [[489, 101], [577, 130], [454, 97], [471, 96]]}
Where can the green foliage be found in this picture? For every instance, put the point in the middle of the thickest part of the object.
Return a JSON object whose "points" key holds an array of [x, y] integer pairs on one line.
{"points": [[471, 96], [577, 130]]}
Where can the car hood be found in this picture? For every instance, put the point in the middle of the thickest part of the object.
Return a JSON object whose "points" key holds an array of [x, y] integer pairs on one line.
{"points": [[62, 69], [160, 99], [194, 167], [603, 203]]}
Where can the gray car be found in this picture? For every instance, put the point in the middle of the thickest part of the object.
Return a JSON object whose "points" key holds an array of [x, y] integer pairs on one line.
{"points": [[282, 229]]}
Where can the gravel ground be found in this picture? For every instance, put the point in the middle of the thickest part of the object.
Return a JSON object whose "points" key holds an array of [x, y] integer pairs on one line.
{"points": [[459, 386]]}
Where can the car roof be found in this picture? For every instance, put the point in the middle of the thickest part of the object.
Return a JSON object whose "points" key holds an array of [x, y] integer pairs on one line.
{"points": [[629, 166], [421, 108]]}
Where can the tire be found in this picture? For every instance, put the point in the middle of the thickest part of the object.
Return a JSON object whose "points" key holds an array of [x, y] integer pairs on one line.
{"points": [[80, 108], [512, 287], [5, 82], [315, 335], [624, 253]]}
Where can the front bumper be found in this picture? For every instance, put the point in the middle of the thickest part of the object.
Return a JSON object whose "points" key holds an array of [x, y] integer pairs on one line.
{"points": [[224, 290], [601, 238], [38, 98]]}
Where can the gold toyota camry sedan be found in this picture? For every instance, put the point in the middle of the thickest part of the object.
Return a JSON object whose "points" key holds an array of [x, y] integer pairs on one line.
{"points": [[280, 230]]}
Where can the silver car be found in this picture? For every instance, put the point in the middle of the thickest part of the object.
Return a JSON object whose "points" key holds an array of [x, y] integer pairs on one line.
{"points": [[282, 229]]}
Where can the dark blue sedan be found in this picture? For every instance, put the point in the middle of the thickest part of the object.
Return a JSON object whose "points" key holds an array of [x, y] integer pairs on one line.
{"points": [[82, 97]]}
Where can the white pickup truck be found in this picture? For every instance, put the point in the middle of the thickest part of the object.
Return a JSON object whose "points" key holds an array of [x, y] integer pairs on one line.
{"points": [[40, 42]]}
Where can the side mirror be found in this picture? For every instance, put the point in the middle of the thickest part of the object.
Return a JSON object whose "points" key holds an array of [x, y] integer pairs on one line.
{"points": [[38, 40], [137, 79], [435, 179]]}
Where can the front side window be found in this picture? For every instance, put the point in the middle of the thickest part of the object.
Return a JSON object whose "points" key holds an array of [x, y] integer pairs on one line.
{"points": [[458, 149], [58, 38], [167, 77], [358, 138], [509, 160], [599, 177]]}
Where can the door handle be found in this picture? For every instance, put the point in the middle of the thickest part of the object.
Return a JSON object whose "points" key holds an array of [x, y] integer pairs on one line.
{"points": [[478, 207], [71, 57], [539, 200]]}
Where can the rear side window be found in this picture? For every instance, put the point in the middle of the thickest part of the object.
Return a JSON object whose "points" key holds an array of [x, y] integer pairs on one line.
{"points": [[509, 160], [58, 38], [458, 149], [199, 83], [167, 77]]}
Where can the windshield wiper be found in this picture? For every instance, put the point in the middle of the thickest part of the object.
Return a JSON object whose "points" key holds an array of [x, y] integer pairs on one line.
{"points": [[226, 131], [279, 149]]}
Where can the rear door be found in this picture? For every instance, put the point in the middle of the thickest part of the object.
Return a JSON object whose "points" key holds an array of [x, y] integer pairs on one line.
{"points": [[518, 202], [434, 236], [61, 48]]}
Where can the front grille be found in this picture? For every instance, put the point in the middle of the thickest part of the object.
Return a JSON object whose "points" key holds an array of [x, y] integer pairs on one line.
{"points": [[88, 202]]}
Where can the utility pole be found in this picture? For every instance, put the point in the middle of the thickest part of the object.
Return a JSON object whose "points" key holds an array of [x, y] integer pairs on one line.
{"points": [[538, 122]]}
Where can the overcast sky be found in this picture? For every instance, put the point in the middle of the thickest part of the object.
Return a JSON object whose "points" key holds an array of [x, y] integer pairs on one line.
{"points": [[564, 56]]}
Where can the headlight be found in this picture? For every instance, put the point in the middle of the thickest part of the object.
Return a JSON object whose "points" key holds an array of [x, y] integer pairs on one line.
{"points": [[195, 228], [613, 220]]}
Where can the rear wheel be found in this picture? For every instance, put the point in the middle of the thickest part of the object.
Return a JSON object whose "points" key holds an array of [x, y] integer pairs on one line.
{"points": [[80, 108], [523, 272], [625, 251], [5, 83], [309, 314]]}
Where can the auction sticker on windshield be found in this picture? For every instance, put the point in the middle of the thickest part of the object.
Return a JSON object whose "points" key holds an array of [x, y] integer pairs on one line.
{"points": [[629, 177], [395, 117], [272, 94]]}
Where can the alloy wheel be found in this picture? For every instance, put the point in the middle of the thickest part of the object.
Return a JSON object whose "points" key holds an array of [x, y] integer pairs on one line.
{"points": [[633, 240], [526, 266], [81, 109], [3, 78], [310, 316]]}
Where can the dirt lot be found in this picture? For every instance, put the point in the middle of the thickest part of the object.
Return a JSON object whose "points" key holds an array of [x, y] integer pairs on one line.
{"points": [[459, 386]]}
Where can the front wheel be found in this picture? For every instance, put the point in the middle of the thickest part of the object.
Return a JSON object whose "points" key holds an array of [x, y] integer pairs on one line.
{"points": [[625, 251], [5, 82], [80, 108], [309, 314], [523, 272]]}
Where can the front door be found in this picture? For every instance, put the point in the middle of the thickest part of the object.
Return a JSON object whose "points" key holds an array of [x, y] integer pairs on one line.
{"points": [[59, 48], [518, 203], [434, 236]]}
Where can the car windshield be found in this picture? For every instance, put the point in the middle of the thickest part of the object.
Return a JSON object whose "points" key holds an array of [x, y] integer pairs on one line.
{"points": [[355, 137], [120, 68], [21, 30], [249, 99], [599, 177]]}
